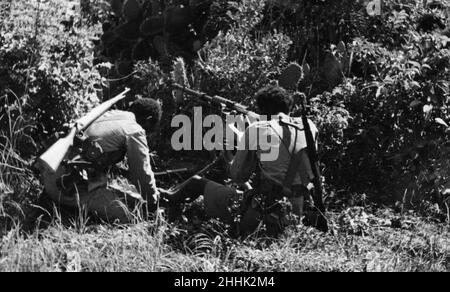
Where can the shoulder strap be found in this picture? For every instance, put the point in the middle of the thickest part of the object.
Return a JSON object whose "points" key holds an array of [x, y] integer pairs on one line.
{"points": [[299, 161]]}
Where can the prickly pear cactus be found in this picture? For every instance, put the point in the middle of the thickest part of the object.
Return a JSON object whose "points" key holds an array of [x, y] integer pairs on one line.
{"points": [[158, 29]]}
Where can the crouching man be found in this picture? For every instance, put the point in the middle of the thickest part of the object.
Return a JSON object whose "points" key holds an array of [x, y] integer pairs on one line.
{"points": [[286, 178], [81, 181]]}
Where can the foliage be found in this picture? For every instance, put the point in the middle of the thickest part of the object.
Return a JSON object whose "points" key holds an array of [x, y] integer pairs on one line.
{"points": [[52, 76], [162, 247], [138, 30], [47, 78], [378, 90], [398, 110], [236, 64]]}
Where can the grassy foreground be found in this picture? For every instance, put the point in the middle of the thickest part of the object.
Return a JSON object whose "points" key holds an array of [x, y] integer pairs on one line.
{"points": [[361, 243]]}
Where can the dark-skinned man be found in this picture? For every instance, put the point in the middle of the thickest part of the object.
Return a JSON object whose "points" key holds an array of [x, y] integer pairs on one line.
{"points": [[287, 176], [114, 136]]}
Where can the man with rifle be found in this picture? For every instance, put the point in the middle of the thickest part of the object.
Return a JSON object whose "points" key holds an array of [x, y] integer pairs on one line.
{"points": [[290, 177], [74, 170]]}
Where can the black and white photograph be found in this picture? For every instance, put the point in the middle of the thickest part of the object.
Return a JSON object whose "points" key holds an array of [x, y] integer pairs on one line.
{"points": [[225, 143]]}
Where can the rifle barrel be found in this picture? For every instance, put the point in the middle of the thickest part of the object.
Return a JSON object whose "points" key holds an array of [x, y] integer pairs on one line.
{"points": [[218, 99], [172, 171], [86, 121]]}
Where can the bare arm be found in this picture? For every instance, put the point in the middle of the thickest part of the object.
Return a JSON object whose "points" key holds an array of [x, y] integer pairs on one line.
{"points": [[141, 172]]}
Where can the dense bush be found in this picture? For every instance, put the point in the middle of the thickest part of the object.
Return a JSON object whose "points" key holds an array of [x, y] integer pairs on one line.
{"points": [[137, 30], [46, 65], [383, 128], [396, 141], [236, 64], [47, 78], [378, 86]]}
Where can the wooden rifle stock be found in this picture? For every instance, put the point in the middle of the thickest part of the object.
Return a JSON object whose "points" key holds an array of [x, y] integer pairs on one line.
{"points": [[53, 157]]}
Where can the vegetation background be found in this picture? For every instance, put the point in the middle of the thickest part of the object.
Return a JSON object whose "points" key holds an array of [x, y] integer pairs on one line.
{"points": [[378, 88]]}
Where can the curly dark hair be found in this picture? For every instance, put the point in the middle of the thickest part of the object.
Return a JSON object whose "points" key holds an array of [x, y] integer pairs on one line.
{"points": [[148, 112], [273, 100]]}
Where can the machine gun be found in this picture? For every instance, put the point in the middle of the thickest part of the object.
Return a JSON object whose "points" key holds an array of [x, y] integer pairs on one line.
{"points": [[53, 157]]}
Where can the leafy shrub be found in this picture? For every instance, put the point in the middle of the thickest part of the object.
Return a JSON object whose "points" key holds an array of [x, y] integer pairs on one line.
{"points": [[398, 114], [47, 78], [137, 30], [378, 86], [236, 63], [47, 66]]}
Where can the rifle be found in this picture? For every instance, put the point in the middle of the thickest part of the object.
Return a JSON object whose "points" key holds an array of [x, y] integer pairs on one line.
{"points": [[53, 157], [172, 171], [321, 222], [218, 101], [290, 79], [181, 186]]}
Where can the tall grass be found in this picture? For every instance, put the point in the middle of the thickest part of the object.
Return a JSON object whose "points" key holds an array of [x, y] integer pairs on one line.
{"points": [[43, 88], [160, 246], [15, 176]]}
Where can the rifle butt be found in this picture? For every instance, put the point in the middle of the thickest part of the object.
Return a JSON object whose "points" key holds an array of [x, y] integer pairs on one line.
{"points": [[53, 157]]}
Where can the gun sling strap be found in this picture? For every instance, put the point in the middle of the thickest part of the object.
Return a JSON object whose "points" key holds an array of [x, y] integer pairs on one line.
{"points": [[299, 164]]}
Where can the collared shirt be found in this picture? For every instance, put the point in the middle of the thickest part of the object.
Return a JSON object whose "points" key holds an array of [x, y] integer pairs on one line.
{"points": [[246, 160], [118, 131]]}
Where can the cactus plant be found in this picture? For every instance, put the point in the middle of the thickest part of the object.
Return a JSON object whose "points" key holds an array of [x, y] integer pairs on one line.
{"points": [[179, 76], [116, 7], [152, 26], [142, 50], [124, 68], [291, 76], [131, 9], [139, 29], [160, 45], [306, 69], [178, 18], [129, 31]]}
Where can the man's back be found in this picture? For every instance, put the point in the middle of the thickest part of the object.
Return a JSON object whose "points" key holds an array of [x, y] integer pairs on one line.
{"points": [[285, 140], [118, 133], [111, 130]]}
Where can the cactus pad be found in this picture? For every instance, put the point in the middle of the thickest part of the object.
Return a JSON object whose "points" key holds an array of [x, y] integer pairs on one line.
{"points": [[291, 76], [131, 9], [178, 18], [124, 68], [152, 26], [108, 37], [142, 50], [116, 7], [128, 31], [160, 45], [306, 69], [179, 76]]}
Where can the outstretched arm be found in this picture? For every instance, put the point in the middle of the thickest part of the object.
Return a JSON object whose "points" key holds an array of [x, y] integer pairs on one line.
{"points": [[141, 172]]}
